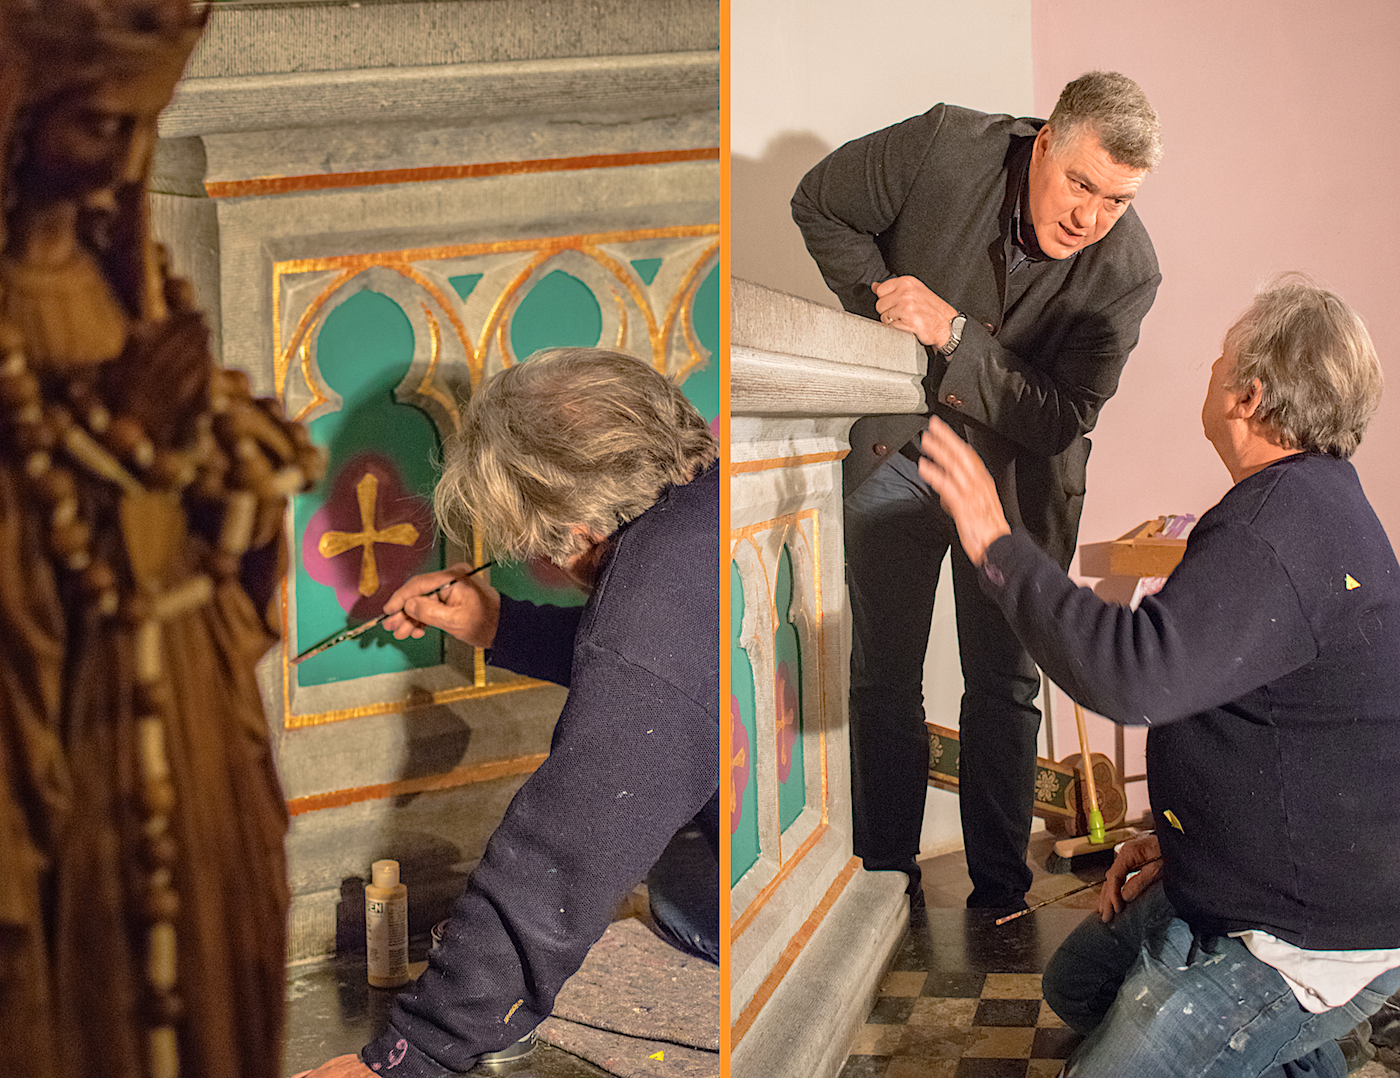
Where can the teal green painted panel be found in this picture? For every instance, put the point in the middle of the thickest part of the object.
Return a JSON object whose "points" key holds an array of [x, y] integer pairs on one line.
{"points": [[559, 311], [647, 268], [743, 733], [702, 386], [787, 658], [363, 352], [464, 284]]}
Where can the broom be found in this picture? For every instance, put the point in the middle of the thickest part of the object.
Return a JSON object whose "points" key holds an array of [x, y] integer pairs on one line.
{"points": [[1097, 840]]}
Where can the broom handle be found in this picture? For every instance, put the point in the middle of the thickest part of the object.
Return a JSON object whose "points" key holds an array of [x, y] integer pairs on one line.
{"points": [[1084, 760]]}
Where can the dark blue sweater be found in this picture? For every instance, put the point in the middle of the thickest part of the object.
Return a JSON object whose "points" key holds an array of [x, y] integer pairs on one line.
{"points": [[635, 756], [1268, 669]]}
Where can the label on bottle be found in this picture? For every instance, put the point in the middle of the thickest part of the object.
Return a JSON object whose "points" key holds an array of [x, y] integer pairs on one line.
{"points": [[386, 937]]}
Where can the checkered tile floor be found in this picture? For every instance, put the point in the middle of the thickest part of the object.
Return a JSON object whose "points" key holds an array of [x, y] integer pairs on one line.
{"points": [[962, 998], [960, 1025]]}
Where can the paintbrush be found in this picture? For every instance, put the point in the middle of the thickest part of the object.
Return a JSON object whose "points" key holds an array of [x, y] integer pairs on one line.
{"points": [[350, 634], [1071, 891]]}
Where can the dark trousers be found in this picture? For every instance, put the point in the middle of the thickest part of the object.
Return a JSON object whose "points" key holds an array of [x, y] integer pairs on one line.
{"points": [[896, 538]]}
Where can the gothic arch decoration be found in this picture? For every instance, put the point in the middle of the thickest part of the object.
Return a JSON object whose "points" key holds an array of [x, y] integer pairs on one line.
{"points": [[775, 606], [424, 327]]}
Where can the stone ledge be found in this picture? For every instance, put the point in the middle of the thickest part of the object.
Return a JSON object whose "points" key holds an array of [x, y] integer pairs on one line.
{"points": [[765, 320], [623, 87], [763, 383], [249, 38]]}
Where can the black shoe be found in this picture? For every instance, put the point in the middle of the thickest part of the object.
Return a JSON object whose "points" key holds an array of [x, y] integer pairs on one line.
{"points": [[999, 906]]}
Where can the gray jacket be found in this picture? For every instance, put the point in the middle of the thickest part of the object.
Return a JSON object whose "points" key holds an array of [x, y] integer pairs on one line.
{"points": [[933, 198]]}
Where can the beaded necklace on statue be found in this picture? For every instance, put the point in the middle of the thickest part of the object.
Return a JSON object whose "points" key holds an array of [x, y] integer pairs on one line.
{"points": [[58, 430]]}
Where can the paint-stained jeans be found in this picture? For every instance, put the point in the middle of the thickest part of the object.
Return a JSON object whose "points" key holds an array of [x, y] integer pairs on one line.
{"points": [[1153, 1005]]}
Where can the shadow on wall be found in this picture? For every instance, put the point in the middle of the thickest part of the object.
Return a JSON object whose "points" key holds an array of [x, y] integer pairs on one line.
{"points": [[765, 245]]}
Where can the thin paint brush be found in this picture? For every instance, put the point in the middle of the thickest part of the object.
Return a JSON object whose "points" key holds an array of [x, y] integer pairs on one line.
{"points": [[350, 634], [1071, 891]]}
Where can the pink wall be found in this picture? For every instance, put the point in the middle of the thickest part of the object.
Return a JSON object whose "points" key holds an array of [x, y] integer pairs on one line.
{"points": [[1279, 122]]}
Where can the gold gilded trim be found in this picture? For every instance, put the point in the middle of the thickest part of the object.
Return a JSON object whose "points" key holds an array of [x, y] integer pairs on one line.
{"points": [[282, 358], [742, 466], [426, 387], [474, 359], [448, 780], [400, 262], [498, 321], [794, 948], [654, 336], [745, 919], [414, 702], [621, 343], [677, 307], [748, 531], [460, 250], [329, 181]]}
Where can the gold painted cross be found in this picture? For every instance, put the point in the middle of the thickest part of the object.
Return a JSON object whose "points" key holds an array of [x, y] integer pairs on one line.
{"points": [[786, 720], [336, 543]]}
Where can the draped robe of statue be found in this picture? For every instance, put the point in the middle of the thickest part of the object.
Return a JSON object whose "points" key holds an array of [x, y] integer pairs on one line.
{"points": [[143, 893]]}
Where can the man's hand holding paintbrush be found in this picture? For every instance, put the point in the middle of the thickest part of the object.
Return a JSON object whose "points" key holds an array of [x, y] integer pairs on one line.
{"points": [[1136, 866], [469, 610]]}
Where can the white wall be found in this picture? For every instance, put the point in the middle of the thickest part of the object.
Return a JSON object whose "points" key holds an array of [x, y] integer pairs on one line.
{"points": [[799, 88]]}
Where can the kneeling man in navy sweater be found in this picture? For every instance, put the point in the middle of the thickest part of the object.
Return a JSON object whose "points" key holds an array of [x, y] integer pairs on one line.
{"points": [[596, 462], [1263, 921]]}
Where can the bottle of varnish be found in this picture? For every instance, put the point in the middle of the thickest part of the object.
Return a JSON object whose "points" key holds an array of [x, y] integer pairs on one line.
{"points": [[386, 926]]}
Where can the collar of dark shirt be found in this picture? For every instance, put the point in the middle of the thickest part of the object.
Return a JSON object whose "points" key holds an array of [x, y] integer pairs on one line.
{"points": [[1025, 246]]}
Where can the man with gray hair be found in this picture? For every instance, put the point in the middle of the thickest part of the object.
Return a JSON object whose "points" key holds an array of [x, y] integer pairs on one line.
{"points": [[1010, 249], [595, 461], [1263, 921]]}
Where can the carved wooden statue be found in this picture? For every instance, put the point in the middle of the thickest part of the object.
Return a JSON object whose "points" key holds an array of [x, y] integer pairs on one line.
{"points": [[143, 896]]}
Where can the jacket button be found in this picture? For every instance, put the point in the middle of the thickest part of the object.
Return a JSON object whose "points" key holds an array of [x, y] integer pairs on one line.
{"points": [[990, 328], [880, 449], [951, 399]]}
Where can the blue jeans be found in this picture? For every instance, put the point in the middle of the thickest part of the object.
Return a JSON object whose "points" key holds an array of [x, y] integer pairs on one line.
{"points": [[896, 538], [1154, 1002]]}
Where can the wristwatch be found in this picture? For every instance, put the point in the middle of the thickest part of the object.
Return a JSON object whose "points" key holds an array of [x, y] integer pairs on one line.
{"points": [[955, 328]]}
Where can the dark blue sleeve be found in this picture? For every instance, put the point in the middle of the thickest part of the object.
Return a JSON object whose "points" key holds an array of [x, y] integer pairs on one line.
{"points": [[1227, 622], [537, 641], [633, 759]]}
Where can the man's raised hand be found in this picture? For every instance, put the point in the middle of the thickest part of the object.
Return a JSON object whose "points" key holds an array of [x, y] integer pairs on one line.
{"points": [[961, 481]]}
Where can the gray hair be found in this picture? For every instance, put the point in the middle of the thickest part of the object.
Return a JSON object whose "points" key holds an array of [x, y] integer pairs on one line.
{"points": [[1114, 109], [1320, 374], [571, 436]]}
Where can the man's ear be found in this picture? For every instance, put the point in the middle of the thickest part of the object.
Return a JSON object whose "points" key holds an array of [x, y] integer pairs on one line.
{"points": [[1042, 144], [586, 536], [1248, 401]]}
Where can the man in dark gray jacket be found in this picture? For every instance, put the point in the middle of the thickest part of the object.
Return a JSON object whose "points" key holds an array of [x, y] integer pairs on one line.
{"points": [[1010, 249]]}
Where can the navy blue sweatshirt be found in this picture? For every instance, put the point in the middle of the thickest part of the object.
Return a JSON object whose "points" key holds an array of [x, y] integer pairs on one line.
{"points": [[635, 756], [1268, 669]]}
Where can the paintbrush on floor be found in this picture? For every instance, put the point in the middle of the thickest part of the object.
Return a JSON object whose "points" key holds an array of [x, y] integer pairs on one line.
{"points": [[1071, 891], [350, 634]]}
